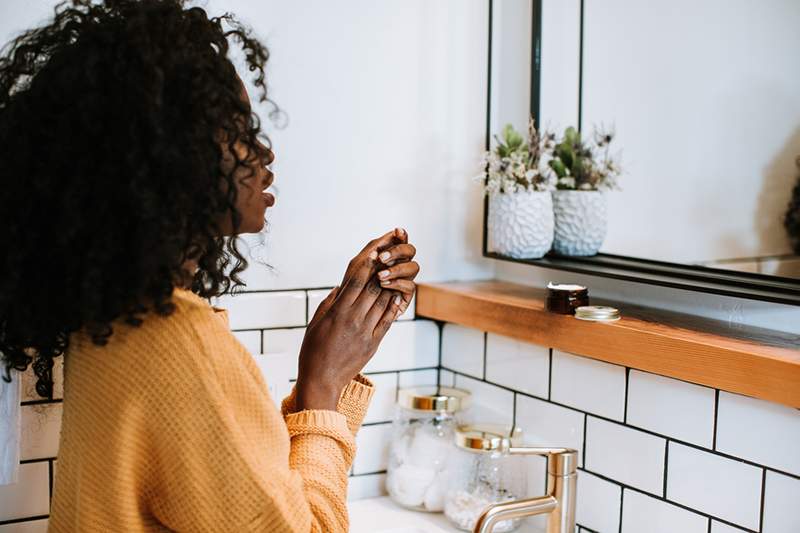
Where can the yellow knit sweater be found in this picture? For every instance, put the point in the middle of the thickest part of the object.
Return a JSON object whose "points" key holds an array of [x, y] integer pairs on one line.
{"points": [[170, 427]]}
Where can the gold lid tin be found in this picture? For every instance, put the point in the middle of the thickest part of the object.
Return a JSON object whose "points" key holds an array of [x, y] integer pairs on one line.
{"points": [[433, 398], [597, 313], [486, 438]]}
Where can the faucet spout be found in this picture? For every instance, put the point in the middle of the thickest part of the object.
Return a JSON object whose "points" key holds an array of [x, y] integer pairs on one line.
{"points": [[558, 503], [516, 509]]}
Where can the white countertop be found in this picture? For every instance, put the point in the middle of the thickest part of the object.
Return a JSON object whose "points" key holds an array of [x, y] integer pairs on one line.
{"points": [[381, 515]]}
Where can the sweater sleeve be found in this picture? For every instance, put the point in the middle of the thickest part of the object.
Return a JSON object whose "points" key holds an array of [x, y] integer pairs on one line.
{"points": [[224, 459], [353, 402]]}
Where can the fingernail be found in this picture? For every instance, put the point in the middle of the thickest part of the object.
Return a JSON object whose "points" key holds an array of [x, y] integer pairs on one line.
{"points": [[383, 274], [385, 283], [385, 256], [373, 255], [397, 300]]}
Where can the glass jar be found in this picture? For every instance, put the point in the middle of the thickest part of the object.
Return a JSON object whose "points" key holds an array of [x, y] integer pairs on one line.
{"points": [[422, 440], [482, 473]]}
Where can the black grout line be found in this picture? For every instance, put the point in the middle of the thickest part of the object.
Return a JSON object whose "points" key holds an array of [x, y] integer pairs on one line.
{"points": [[763, 493], [261, 342], [709, 525], [627, 380], [21, 520], [397, 386], [37, 460], [379, 423], [440, 328], [716, 413], [638, 428], [50, 482], [583, 451], [485, 342], [40, 402], [270, 328], [666, 461], [307, 300], [665, 500], [586, 529], [550, 376], [269, 291], [379, 372], [368, 473], [621, 503], [514, 412]]}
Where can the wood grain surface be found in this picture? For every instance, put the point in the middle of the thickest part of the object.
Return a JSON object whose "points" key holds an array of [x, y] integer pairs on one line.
{"points": [[747, 360]]}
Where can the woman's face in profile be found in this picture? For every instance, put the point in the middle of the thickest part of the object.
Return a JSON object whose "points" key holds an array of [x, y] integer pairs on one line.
{"points": [[252, 178]]}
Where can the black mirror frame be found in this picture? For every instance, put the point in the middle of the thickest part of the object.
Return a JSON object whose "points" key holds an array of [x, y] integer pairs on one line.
{"points": [[674, 275]]}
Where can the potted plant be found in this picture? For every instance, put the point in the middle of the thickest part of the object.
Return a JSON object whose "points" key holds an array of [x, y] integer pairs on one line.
{"points": [[584, 171], [519, 184]]}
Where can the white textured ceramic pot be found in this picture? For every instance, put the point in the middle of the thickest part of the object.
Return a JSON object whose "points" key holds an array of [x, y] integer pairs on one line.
{"points": [[581, 221], [520, 224]]}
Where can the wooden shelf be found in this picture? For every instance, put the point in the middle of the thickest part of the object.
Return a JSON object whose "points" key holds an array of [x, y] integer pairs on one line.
{"points": [[753, 361]]}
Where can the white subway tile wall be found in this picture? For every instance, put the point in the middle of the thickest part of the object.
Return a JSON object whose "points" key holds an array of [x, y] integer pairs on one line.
{"points": [[781, 504], [642, 513], [627, 425], [41, 427], [670, 407], [463, 349], [29, 526], [518, 365], [588, 385], [721, 487], [30, 496], [382, 407], [409, 345], [490, 403], [719, 527], [630, 456], [250, 340], [373, 449], [547, 424], [599, 503], [261, 310], [635, 422], [366, 486], [759, 431]]}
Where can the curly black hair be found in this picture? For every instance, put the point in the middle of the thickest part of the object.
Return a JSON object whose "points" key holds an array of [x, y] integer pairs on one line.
{"points": [[792, 219], [111, 117]]}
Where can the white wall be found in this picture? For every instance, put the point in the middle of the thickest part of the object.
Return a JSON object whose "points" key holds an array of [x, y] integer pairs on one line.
{"points": [[705, 99], [386, 102]]}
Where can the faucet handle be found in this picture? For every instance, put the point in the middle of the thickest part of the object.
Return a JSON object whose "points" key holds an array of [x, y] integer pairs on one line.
{"points": [[560, 461]]}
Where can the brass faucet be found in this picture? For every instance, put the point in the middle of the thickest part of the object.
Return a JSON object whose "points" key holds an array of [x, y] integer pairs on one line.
{"points": [[558, 503]]}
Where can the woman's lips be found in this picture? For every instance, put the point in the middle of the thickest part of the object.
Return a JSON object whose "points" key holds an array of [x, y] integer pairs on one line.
{"points": [[268, 198]]}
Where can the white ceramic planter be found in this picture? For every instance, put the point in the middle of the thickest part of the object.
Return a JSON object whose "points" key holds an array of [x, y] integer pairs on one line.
{"points": [[520, 224], [581, 222]]}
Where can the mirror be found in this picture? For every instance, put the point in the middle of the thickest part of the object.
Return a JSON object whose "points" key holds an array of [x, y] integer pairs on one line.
{"points": [[705, 100]]}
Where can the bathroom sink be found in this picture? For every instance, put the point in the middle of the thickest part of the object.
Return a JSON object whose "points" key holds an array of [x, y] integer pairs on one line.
{"points": [[381, 515]]}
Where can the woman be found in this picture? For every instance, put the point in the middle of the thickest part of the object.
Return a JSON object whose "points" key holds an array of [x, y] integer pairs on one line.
{"points": [[128, 153]]}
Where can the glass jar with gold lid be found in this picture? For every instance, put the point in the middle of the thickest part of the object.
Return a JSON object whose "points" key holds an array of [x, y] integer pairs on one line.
{"points": [[422, 440], [482, 473]]}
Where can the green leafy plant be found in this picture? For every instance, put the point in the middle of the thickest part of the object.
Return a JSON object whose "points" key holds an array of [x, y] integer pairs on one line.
{"points": [[519, 164], [579, 165]]}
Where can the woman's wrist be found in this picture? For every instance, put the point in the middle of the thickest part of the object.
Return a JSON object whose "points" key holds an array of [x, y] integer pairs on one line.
{"points": [[316, 396]]}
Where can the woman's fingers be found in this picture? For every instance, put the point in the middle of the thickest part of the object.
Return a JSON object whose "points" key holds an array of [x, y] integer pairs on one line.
{"points": [[402, 285], [403, 270], [374, 313], [384, 322], [398, 252], [362, 267]]}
